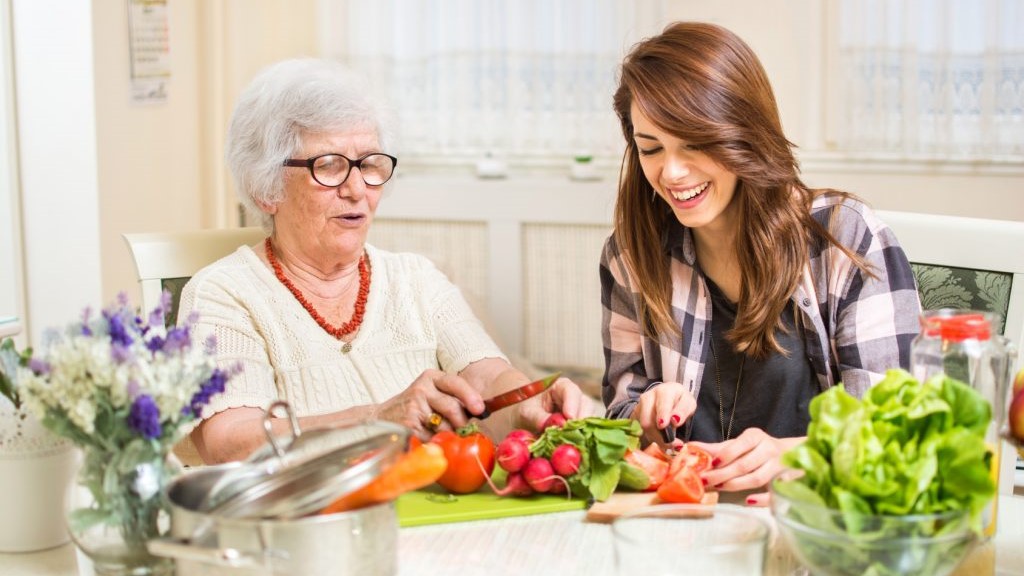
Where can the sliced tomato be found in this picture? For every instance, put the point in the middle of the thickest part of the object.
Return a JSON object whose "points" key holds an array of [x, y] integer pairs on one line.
{"points": [[692, 457], [684, 487], [656, 469], [655, 450]]}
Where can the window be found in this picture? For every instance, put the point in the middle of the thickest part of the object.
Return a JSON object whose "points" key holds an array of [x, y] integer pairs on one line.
{"points": [[529, 80], [10, 273], [931, 78]]}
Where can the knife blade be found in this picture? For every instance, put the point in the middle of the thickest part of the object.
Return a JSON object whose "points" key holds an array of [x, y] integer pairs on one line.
{"points": [[506, 399]]}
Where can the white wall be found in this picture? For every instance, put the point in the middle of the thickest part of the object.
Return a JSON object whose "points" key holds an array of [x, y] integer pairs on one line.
{"points": [[53, 59], [149, 157]]}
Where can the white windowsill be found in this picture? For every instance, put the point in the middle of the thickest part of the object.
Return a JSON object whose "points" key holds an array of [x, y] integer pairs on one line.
{"points": [[810, 161], [9, 326]]}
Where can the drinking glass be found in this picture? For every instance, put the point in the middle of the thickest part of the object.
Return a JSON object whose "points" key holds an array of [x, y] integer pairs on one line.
{"points": [[674, 539]]}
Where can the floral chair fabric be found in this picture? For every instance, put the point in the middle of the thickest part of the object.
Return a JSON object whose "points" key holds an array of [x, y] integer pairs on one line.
{"points": [[964, 288], [174, 286]]}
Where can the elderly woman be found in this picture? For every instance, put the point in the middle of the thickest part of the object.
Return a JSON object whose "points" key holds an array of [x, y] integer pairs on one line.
{"points": [[316, 316]]}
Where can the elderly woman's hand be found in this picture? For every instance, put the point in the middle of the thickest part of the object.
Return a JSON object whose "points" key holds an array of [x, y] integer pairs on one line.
{"points": [[433, 394], [564, 397]]}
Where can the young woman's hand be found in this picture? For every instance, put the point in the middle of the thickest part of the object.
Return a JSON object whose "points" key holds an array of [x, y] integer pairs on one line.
{"points": [[746, 462], [665, 404]]}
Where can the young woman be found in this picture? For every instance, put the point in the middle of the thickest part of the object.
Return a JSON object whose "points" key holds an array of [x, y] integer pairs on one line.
{"points": [[733, 293]]}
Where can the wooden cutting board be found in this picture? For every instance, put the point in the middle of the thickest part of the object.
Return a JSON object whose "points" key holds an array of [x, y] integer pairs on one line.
{"points": [[622, 502]]}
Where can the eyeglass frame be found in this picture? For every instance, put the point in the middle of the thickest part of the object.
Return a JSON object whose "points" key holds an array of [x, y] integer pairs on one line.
{"points": [[308, 163]]}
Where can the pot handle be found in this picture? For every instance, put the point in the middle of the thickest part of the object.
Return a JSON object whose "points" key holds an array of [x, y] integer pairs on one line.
{"points": [[268, 417], [182, 549]]}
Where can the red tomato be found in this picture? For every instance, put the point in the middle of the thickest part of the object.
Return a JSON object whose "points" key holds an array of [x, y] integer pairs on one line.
{"points": [[656, 468], [655, 450], [684, 487], [691, 457], [467, 450]]}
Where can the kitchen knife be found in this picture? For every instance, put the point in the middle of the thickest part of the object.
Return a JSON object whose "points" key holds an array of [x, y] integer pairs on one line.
{"points": [[517, 395]]}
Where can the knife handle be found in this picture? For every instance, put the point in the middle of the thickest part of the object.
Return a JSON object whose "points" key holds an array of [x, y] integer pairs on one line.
{"points": [[668, 433], [482, 416]]}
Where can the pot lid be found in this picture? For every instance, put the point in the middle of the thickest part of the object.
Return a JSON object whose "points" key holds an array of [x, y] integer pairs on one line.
{"points": [[306, 471]]}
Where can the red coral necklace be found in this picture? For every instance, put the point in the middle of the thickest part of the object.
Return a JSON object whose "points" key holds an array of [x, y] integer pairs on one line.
{"points": [[357, 315]]}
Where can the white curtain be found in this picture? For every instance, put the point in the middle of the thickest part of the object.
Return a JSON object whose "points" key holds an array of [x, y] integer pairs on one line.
{"points": [[932, 78], [526, 80]]}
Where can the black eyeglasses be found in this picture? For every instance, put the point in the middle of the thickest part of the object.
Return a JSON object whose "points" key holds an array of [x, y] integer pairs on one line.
{"points": [[332, 170]]}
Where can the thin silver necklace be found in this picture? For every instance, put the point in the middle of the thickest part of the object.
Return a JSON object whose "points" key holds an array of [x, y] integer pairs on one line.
{"points": [[726, 434]]}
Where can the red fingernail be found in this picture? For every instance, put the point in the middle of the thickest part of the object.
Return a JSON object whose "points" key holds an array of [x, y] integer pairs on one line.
{"points": [[676, 418], [661, 421], [715, 463], [704, 481], [751, 500]]}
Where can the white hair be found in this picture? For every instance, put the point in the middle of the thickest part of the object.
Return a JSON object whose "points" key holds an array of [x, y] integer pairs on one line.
{"points": [[283, 101]]}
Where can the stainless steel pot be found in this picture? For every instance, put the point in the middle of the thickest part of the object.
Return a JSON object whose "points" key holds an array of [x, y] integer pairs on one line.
{"points": [[362, 542]]}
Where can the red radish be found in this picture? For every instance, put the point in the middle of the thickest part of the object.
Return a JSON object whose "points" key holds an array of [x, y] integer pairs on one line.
{"points": [[512, 454], [524, 436], [515, 484], [556, 420], [565, 460], [539, 474]]}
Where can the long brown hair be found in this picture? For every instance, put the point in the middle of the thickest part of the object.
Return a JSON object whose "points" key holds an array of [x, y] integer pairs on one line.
{"points": [[704, 85]]}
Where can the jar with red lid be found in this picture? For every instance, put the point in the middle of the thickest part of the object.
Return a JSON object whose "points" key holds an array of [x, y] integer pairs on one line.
{"points": [[964, 344]]}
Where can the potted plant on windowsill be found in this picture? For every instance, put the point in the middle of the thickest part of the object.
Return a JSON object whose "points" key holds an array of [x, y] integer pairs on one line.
{"points": [[36, 467]]}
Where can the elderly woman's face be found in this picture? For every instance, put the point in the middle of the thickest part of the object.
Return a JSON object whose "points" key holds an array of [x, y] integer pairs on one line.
{"points": [[328, 223]]}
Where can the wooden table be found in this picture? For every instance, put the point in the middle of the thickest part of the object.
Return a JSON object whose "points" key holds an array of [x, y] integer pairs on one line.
{"points": [[557, 544]]}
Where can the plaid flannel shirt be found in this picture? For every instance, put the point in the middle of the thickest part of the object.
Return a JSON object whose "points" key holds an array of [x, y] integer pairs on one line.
{"points": [[855, 327]]}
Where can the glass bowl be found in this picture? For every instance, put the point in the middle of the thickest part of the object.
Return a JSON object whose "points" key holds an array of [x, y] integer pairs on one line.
{"points": [[832, 542]]}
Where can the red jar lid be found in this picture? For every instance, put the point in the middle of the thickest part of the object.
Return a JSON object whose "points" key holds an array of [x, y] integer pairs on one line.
{"points": [[958, 328]]}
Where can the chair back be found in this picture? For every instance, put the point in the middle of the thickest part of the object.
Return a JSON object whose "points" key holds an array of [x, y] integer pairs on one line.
{"points": [[969, 263], [167, 260]]}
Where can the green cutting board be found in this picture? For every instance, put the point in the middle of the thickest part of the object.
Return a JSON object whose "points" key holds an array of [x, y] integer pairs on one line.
{"points": [[434, 505]]}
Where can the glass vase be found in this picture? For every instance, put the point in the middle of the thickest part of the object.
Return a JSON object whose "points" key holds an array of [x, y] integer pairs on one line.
{"points": [[117, 505]]}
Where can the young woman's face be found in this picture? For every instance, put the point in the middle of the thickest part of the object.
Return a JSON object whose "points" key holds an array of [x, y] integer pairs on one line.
{"points": [[695, 186]]}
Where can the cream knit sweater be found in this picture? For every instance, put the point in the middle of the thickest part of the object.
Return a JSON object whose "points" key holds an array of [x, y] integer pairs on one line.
{"points": [[415, 319]]}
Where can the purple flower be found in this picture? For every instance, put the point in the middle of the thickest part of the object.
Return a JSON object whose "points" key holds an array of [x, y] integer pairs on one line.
{"points": [[144, 417], [86, 314], [210, 345], [120, 353], [155, 344], [178, 339], [119, 333], [157, 316], [215, 385], [39, 367]]}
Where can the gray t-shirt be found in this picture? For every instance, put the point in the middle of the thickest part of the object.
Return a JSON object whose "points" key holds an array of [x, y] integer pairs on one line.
{"points": [[775, 392]]}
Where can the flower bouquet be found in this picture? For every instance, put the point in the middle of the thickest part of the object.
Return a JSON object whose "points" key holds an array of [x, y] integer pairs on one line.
{"points": [[123, 389]]}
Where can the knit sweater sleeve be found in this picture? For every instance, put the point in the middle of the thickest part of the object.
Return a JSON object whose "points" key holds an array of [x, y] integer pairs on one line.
{"points": [[219, 296]]}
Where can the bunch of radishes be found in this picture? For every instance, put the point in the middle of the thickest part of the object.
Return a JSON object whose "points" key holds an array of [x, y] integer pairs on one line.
{"points": [[584, 457], [528, 473]]}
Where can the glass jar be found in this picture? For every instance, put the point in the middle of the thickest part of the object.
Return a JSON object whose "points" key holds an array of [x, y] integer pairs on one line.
{"points": [[961, 344], [116, 506]]}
